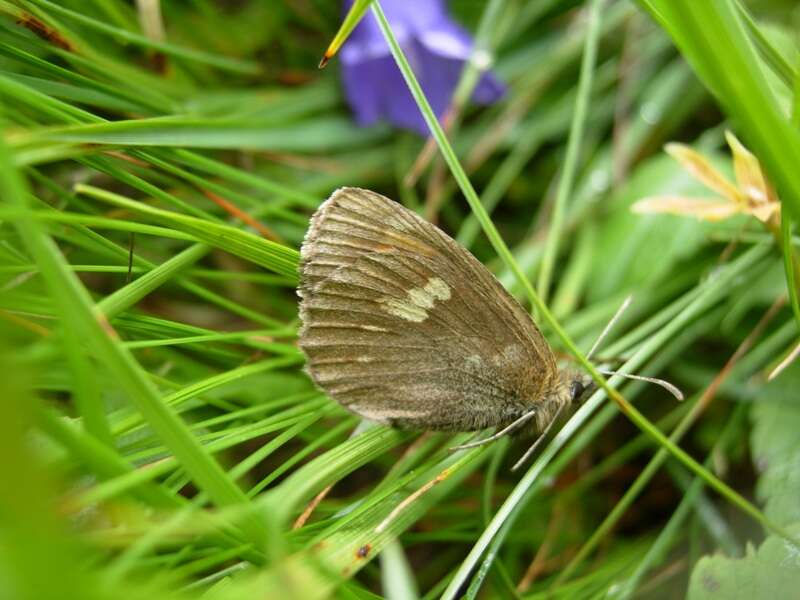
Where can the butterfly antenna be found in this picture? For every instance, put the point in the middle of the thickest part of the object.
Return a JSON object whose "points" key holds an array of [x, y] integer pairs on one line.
{"points": [[538, 441], [623, 307], [660, 382], [504, 431]]}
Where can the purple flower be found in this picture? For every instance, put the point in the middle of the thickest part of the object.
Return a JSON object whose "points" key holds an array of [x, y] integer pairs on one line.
{"points": [[435, 46]]}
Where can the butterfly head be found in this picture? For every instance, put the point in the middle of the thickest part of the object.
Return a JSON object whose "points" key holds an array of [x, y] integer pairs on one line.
{"points": [[573, 386], [569, 387], [579, 386]]}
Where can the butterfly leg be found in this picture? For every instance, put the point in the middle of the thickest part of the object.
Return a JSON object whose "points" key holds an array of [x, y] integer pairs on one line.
{"points": [[538, 441], [504, 431]]}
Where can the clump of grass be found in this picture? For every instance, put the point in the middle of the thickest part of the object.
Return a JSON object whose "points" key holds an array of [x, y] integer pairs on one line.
{"points": [[159, 435]]}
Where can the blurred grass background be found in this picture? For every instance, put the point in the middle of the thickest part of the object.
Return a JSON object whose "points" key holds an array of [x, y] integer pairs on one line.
{"points": [[159, 437]]}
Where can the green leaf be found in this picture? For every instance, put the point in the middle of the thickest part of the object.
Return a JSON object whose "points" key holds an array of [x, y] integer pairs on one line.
{"points": [[772, 571], [776, 452]]}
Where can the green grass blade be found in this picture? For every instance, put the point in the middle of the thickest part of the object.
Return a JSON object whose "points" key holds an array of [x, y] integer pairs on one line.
{"points": [[566, 182], [79, 312], [125, 297], [268, 254]]}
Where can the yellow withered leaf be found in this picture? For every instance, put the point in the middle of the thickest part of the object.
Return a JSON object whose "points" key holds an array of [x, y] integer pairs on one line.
{"points": [[702, 170], [751, 195], [706, 209], [759, 195], [747, 168]]}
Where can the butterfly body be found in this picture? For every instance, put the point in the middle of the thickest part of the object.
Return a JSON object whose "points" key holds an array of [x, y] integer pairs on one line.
{"points": [[403, 326]]}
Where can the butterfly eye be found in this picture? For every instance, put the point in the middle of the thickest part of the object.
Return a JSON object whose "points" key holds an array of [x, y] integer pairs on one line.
{"points": [[577, 390]]}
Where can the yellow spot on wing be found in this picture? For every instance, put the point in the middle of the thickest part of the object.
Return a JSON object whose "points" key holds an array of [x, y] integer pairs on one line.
{"points": [[405, 310], [414, 307]]}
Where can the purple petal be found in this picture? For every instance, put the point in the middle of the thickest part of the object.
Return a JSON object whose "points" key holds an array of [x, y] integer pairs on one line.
{"points": [[388, 99], [436, 48], [447, 39], [416, 15], [364, 98], [489, 89]]}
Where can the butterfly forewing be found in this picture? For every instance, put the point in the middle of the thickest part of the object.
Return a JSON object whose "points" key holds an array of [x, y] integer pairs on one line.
{"points": [[403, 326]]}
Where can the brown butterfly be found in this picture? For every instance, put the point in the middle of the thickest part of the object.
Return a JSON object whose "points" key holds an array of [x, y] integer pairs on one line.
{"points": [[403, 326]]}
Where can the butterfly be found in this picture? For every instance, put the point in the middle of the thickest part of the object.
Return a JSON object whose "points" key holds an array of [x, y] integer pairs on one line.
{"points": [[403, 326]]}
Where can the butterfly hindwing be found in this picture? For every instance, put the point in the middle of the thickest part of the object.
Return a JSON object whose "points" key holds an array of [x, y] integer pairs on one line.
{"points": [[402, 325]]}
